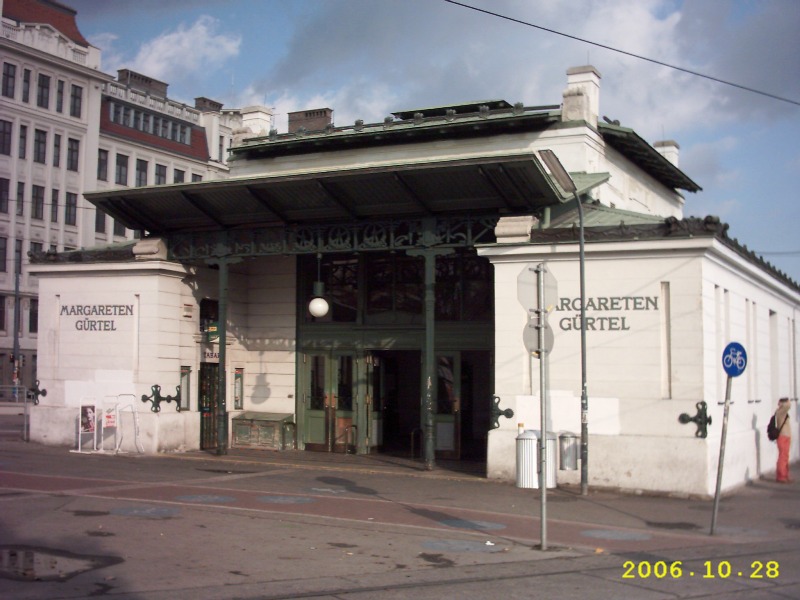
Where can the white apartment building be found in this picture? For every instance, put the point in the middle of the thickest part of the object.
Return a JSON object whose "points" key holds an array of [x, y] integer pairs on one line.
{"points": [[67, 127]]}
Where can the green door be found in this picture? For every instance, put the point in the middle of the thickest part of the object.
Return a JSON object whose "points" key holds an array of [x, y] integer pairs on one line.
{"points": [[329, 401], [207, 403]]}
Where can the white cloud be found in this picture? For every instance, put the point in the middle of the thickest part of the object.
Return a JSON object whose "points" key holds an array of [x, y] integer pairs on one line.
{"points": [[197, 49]]}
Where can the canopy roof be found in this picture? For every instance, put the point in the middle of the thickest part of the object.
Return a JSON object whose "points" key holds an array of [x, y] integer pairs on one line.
{"points": [[495, 185]]}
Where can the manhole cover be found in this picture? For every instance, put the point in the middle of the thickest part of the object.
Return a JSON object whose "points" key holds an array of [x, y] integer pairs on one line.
{"points": [[28, 563]]}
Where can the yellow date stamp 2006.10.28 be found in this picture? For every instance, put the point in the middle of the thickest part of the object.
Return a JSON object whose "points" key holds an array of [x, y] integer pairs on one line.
{"points": [[711, 569]]}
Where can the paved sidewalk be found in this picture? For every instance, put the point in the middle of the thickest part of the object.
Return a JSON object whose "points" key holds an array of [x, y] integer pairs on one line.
{"points": [[296, 524]]}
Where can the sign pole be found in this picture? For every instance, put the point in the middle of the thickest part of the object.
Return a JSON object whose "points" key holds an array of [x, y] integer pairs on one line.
{"points": [[734, 361], [721, 453], [542, 311]]}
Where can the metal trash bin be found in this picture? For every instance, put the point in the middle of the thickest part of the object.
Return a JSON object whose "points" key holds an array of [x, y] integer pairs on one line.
{"points": [[265, 431], [568, 451], [528, 459]]}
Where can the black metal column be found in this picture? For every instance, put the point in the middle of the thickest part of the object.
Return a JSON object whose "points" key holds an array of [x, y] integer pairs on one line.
{"points": [[429, 253]]}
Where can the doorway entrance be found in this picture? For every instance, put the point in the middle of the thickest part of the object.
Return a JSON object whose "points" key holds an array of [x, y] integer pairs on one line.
{"points": [[329, 397], [208, 383], [370, 401]]}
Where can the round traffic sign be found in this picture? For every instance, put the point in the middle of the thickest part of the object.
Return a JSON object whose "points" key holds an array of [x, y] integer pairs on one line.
{"points": [[734, 359]]}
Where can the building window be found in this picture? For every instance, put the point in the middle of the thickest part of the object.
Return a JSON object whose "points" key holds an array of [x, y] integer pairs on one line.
{"points": [[3, 314], [3, 254], [71, 209], [102, 165], [18, 261], [60, 96], [20, 198], [73, 154], [26, 85], [141, 172], [99, 221], [122, 170], [238, 389], [186, 374], [56, 150], [209, 316], [221, 149], [196, 177], [5, 190], [36, 247], [178, 176], [76, 101], [43, 91], [5, 138], [23, 140], [54, 206], [161, 174], [9, 80], [119, 228], [39, 146], [33, 316], [37, 202]]}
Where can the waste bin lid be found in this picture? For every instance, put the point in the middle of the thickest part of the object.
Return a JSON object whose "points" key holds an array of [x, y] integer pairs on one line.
{"points": [[550, 434]]}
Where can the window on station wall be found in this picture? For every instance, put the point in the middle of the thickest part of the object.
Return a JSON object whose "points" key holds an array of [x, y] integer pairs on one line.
{"points": [[238, 389], [395, 291], [186, 375], [464, 289], [392, 289]]}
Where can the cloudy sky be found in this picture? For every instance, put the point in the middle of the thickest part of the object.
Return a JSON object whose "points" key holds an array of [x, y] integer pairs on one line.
{"points": [[368, 58]]}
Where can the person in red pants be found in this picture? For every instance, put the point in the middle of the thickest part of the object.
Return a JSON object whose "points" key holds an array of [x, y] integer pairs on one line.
{"points": [[784, 440]]}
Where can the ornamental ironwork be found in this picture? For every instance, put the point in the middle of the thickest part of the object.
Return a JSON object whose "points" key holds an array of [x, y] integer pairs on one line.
{"points": [[406, 234]]}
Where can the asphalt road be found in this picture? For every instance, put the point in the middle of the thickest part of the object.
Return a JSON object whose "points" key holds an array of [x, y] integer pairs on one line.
{"points": [[299, 525]]}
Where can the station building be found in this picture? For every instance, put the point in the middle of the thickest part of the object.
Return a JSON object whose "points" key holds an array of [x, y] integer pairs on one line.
{"points": [[419, 234]]}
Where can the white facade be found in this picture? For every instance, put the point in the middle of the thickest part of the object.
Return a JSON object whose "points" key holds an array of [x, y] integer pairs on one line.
{"points": [[659, 315], [54, 95]]}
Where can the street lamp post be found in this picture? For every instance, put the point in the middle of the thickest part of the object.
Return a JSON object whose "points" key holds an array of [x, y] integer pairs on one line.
{"points": [[563, 179]]}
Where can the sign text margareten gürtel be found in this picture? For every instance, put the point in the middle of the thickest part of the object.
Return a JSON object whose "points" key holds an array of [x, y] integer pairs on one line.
{"points": [[603, 303], [96, 310]]}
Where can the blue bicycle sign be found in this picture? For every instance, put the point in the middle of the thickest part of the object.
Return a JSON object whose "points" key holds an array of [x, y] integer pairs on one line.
{"points": [[734, 359]]}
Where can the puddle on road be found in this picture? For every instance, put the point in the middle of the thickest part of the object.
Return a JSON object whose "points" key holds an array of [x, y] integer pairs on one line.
{"points": [[30, 563]]}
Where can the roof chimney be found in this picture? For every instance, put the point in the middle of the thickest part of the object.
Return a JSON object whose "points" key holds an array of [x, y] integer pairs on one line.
{"points": [[669, 149], [310, 120], [582, 96]]}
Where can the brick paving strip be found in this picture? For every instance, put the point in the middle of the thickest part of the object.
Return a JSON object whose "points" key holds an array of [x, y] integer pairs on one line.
{"points": [[211, 492]]}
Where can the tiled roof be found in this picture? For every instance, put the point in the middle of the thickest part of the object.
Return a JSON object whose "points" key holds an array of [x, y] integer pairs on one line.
{"points": [[58, 15]]}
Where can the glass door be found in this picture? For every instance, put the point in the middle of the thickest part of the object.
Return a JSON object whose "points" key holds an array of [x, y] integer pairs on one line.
{"points": [[329, 403], [447, 419]]}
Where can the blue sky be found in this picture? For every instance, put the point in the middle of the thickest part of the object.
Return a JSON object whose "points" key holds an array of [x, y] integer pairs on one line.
{"points": [[368, 58]]}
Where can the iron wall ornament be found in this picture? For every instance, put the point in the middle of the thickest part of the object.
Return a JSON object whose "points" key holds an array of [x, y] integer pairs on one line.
{"points": [[36, 392], [406, 234], [495, 412], [156, 398], [701, 419]]}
